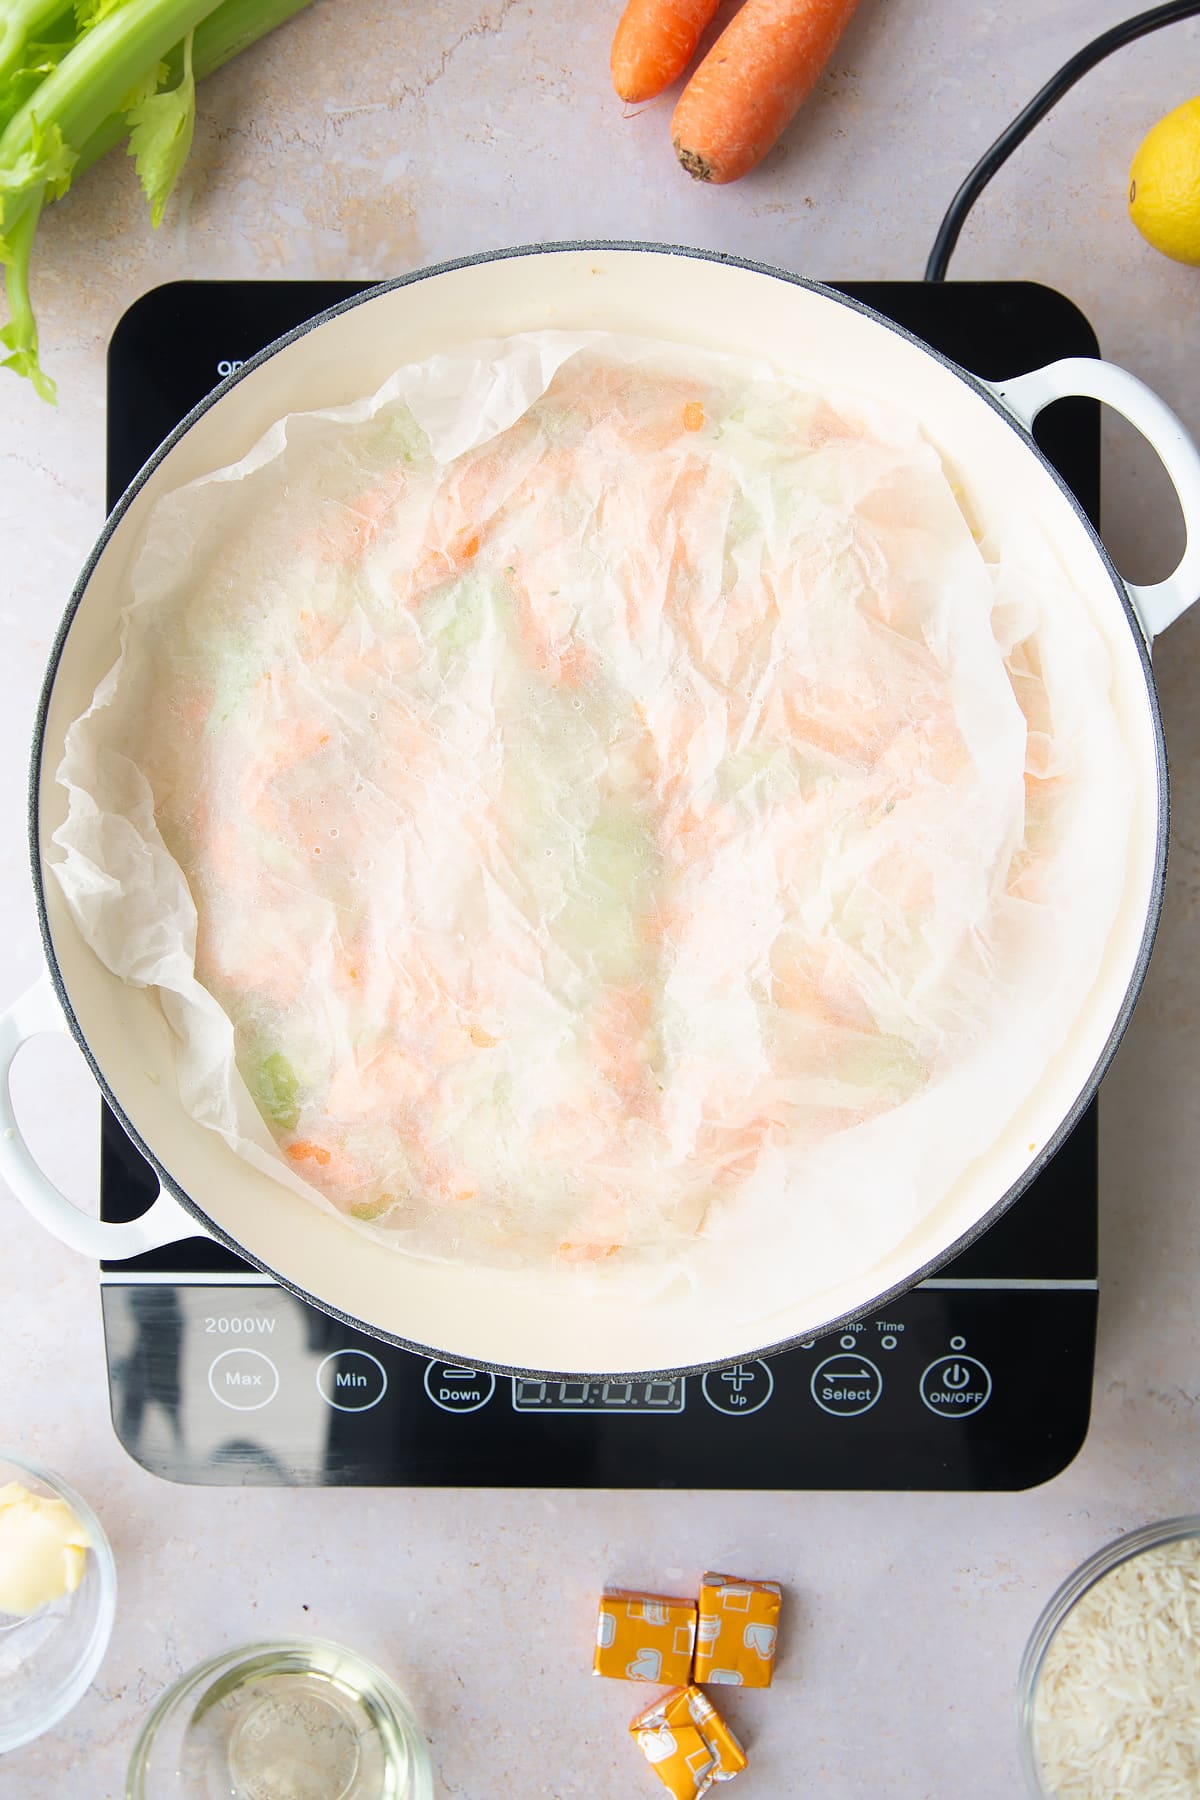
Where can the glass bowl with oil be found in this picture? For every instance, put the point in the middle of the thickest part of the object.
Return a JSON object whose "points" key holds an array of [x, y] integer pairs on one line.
{"points": [[285, 1719]]}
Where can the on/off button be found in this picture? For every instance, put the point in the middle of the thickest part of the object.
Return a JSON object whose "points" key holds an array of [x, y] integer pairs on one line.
{"points": [[956, 1386]]}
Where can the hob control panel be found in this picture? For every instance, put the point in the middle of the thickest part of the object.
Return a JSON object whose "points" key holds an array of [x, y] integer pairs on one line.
{"points": [[247, 1384]]}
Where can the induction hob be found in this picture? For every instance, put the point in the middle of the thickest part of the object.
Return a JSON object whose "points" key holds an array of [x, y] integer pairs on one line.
{"points": [[980, 1378]]}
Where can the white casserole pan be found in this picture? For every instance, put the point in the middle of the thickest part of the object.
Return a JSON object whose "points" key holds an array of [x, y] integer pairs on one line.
{"points": [[982, 433]]}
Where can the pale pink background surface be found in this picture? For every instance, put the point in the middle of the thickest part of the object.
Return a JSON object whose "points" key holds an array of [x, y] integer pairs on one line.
{"points": [[370, 137]]}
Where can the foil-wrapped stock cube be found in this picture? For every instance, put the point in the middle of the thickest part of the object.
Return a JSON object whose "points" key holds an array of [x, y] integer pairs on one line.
{"points": [[737, 1631], [645, 1637], [687, 1743]]}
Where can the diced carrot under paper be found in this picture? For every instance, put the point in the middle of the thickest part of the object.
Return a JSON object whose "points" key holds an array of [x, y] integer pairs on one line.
{"points": [[574, 806]]}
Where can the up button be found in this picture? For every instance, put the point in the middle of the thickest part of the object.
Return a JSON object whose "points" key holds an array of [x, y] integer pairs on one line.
{"points": [[741, 1389], [956, 1386]]}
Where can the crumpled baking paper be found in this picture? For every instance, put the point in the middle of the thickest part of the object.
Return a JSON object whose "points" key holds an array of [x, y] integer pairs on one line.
{"points": [[594, 809]]}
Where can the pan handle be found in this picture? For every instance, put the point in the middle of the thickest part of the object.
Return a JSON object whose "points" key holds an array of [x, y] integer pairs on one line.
{"points": [[1161, 602], [165, 1222]]}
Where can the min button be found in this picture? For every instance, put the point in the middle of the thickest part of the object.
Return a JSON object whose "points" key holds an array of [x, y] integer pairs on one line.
{"points": [[352, 1380], [846, 1385]]}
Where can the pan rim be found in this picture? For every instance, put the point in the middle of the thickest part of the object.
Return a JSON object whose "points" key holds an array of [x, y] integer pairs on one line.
{"points": [[985, 393]]}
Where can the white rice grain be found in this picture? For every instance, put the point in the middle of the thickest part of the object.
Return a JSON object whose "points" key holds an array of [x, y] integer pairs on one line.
{"points": [[1117, 1709]]}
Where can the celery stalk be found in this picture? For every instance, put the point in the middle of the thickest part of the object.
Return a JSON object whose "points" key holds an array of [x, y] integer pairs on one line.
{"points": [[235, 26], [20, 334], [102, 88], [232, 28], [95, 76], [24, 22]]}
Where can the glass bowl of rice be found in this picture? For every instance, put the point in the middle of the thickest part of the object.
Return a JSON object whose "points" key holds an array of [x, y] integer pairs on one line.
{"points": [[1109, 1689]]}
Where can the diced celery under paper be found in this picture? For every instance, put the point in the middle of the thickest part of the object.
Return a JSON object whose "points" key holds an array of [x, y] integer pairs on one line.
{"points": [[593, 809]]}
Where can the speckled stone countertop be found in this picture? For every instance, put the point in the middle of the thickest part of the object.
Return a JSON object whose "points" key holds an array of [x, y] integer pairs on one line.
{"points": [[364, 139]]}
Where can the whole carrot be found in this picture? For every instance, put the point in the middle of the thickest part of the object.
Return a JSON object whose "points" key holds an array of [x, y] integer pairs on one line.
{"points": [[752, 83], [654, 43]]}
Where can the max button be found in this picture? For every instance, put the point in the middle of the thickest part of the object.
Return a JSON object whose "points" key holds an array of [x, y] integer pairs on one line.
{"points": [[458, 1390], [956, 1386], [243, 1379], [352, 1380], [846, 1385], [740, 1389]]}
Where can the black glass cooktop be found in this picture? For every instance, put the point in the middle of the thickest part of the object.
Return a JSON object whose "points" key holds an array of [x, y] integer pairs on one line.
{"points": [[979, 1378]]}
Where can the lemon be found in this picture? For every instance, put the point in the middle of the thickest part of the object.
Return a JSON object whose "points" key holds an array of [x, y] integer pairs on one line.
{"points": [[1164, 184]]}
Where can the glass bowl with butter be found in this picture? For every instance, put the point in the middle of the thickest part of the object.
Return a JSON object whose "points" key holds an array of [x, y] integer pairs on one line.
{"points": [[58, 1597]]}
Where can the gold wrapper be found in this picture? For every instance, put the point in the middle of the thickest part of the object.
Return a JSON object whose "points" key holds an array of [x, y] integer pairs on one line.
{"points": [[737, 1631], [645, 1637], [687, 1743]]}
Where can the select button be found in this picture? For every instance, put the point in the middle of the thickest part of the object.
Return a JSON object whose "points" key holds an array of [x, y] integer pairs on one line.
{"points": [[352, 1380], [846, 1385]]}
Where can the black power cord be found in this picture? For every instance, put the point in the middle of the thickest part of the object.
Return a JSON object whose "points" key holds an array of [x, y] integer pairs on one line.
{"points": [[1039, 106]]}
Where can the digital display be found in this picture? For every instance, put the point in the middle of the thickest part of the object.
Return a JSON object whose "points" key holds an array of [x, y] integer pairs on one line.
{"points": [[663, 1396]]}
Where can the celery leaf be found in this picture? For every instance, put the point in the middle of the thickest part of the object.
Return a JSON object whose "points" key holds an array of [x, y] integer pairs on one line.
{"points": [[20, 84], [24, 361], [19, 336], [90, 12], [147, 85], [46, 164], [161, 135]]}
